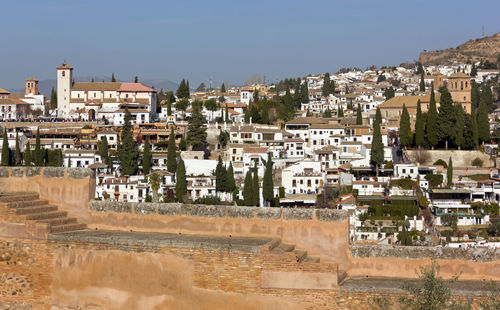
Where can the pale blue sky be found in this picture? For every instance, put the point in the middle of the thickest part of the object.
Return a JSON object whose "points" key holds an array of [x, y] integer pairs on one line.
{"points": [[227, 40]]}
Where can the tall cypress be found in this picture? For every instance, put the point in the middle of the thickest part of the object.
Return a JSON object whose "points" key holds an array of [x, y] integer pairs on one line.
{"points": [[146, 158], [377, 151], [449, 173], [446, 117], [475, 131], [459, 126], [475, 95], [5, 149], [127, 150], [18, 158], [104, 149], [432, 126], [304, 92], [483, 126], [181, 182], [53, 99], [197, 133], [230, 183], [405, 134], [422, 82], [113, 77], [340, 112], [27, 155], [359, 116], [419, 127], [220, 176], [267, 183], [39, 152], [255, 186], [171, 153], [247, 189]]}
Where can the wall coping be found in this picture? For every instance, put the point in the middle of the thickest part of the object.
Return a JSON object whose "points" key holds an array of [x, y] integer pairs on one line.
{"points": [[423, 252], [47, 172], [222, 211]]}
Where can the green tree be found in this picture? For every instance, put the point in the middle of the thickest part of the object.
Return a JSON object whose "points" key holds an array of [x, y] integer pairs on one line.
{"points": [[459, 126], [389, 93], [220, 177], [146, 158], [419, 126], [359, 116], [328, 86], [136, 79], [38, 154], [255, 186], [53, 99], [197, 133], [449, 173], [420, 68], [182, 144], [267, 183], [340, 111], [154, 182], [483, 125], [183, 90], [405, 236], [113, 77], [230, 183], [181, 182], [304, 92], [405, 134], [474, 128], [211, 105], [247, 189], [226, 115], [18, 158], [377, 151], [27, 155], [473, 70], [103, 149], [475, 94], [127, 149], [381, 78], [171, 153], [422, 82], [5, 149], [223, 88], [327, 113], [446, 117], [431, 128]]}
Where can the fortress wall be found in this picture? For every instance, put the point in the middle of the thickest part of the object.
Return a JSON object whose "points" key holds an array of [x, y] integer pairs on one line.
{"points": [[68, 188], [320, 232], [404, 262]]}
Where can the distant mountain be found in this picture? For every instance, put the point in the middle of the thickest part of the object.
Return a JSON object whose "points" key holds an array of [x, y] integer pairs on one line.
{"points": [[45, 86], [487, 48]]}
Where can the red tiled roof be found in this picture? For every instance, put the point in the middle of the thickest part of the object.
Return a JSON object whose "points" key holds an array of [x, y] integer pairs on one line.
{"points": [[135, 87]]}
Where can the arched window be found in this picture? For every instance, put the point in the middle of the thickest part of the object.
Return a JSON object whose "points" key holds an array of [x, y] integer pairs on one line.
{"points": [[63, 73], [466, 84], [462, 85]]}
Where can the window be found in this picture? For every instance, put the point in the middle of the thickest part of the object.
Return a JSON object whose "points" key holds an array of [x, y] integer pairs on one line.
{"points": [[63, 73]]}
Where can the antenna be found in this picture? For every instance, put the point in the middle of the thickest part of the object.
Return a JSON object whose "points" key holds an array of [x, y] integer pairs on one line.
{"points": [[483, 31]]}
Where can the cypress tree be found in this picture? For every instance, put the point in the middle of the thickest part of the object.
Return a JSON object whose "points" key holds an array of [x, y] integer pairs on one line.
{"points": [[420, 68], [113, 77], [377, 151], [171, 153], [169, 108], [474, 127], [220, 176], [247, 189], [432, 126], [104, 149], [449, 173], [181, 183], [327, 113], [422, 82], [419, 127], [483, 126], [267, 183], [136, 79], [197, 133], [18, 158], [127, 150], [255, 186], [27, 155], [53, 99], [230, 183], [146, 158], [223, 88], [182, 144], [328, 86], [5, 149], [304, 93], [39, 153], [340, 112], [226, 115], [405, 134], [473, 70], [459, 126], [446, 117], [475, 95], [359, 116]]}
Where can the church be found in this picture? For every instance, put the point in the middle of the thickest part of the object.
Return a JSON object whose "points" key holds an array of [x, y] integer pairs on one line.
{"points": [[103, 100]]}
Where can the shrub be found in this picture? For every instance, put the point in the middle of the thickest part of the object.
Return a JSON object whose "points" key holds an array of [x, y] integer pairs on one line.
{"points": [[435, 180], [440, 162], [477, 162], [404, 183], [208, 200]]}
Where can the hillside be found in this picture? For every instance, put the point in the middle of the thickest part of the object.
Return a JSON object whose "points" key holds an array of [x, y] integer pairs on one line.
{"points": [[487, 48]]}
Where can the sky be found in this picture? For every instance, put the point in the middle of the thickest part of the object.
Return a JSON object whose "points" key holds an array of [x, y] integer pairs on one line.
{"points": [[227, 41]]}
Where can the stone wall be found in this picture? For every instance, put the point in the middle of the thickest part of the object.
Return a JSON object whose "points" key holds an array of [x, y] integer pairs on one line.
{"points": [[70, 189], [321, 232], [459, 158], [403, 262]]}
